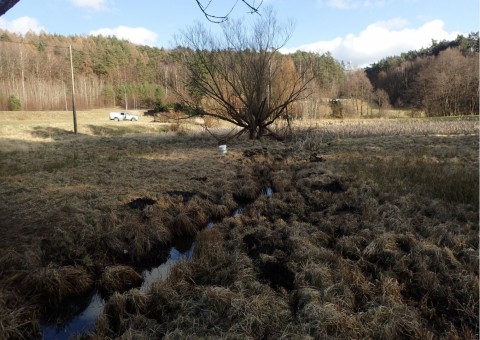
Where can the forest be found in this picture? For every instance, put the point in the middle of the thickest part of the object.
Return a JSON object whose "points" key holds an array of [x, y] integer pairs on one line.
{"points": [[440, 80]]}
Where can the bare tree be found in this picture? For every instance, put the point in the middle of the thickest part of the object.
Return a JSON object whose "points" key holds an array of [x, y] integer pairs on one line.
{"points": [[240, 77], [359, 88]]}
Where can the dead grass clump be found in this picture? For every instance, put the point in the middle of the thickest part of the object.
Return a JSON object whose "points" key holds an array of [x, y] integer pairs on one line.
{"points": [[351, 247], [341, 295], [406, 242], [281, 182], [183, 225], [327, 320], [184, 218], [11, 259], [215, 212], [222, 194], [383, 250], [165, 301], [196, 210], [212, 263], [390, 291], [357, 282], [113, 316], [218, 300], [449, 236], [54, 284], [140, 239], [247, 191], [315, 275], [119, 278], [263, 315], [15, 320], [208, 242], [436, 259], [123, 317], [106, 235], [392, 322], [135, 302]]}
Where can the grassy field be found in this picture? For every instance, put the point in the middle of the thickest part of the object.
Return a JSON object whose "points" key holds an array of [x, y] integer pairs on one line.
{"points": [[371, 230]]}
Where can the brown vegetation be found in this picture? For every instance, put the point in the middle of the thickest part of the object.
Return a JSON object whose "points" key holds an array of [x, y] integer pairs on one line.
{"points": [[367, 234]]}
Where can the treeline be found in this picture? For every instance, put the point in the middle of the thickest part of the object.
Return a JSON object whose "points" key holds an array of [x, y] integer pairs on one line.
{"points": [[35, 70], [35, 74], [440, 80]]}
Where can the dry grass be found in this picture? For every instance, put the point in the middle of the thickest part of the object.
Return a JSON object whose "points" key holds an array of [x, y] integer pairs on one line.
{"points": [[371, 230], [119, 278]]}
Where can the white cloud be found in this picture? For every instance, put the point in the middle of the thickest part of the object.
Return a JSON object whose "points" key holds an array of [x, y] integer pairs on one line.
{"points": [[96, 5], [351, 4], [21, 25], [137, 35], [379, 40]]}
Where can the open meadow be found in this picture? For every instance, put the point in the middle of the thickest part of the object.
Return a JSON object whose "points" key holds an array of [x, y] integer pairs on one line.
{"points": [[349, 229]]}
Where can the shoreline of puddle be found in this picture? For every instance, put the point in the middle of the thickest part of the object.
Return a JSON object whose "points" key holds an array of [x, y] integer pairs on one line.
{"points": [[84, 320]]}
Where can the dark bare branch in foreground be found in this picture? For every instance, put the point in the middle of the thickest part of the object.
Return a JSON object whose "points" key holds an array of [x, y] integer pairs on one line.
{"points": [[5, 5], [251, 5]]}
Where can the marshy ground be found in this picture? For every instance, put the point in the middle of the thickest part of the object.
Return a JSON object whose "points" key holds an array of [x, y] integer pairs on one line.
{"points": [[371, 230]]}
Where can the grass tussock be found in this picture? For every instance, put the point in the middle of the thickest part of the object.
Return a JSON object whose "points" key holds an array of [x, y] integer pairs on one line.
{"points": [[54, 284], [119, 278]]}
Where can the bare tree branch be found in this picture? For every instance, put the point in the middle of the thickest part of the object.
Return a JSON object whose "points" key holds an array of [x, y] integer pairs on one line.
{"points": [[251, 5], [5, 5]]}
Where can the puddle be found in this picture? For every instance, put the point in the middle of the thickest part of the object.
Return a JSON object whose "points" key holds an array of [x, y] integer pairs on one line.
{"points": [[80, 323], [141, 203], [182, 250], [238, 211], [268, 192], [79, 315]]}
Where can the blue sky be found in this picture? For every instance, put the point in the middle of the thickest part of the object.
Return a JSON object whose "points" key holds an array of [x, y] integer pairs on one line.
{"points": [[359, 32]]}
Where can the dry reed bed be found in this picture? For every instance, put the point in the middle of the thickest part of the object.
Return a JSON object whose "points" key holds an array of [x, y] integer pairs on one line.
{"points": [[339, 250]]}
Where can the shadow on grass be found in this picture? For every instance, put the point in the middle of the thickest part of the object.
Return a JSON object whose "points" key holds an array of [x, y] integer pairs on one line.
{"points": [[51, 132], [100, 130]]}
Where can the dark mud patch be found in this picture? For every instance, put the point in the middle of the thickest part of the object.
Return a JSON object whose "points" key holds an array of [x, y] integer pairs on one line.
{"points": [[257, 244], [334, 187], [314, 157], [200, 179], [141, 203], [347, 209], [278, 275]]}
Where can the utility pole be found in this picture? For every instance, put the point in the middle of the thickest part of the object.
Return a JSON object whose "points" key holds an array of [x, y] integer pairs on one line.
{"points": [[73, 93]]}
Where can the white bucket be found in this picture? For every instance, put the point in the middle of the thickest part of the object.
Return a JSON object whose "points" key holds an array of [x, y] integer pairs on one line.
{"points": [[222, 149]]}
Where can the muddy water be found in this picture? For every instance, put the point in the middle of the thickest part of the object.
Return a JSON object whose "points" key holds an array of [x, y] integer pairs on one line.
{"points": [[80, 315], [183, 250]]}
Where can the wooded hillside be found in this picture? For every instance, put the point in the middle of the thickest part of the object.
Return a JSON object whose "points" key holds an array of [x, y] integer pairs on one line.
{"points": [[35, 75]]}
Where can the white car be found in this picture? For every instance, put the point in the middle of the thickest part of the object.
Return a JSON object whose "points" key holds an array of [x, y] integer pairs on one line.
{"points": [[117, 116]]}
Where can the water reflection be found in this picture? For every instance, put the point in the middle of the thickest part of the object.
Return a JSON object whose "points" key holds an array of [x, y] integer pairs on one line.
{"points": [[80, 314], [83, 322], [183, 250]]}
